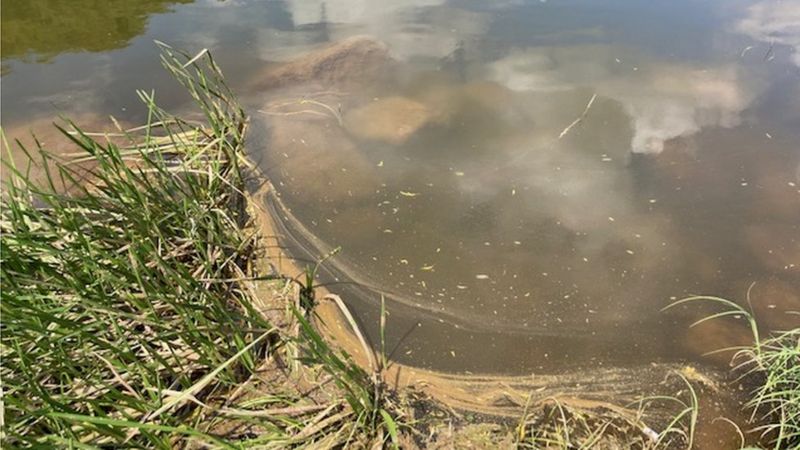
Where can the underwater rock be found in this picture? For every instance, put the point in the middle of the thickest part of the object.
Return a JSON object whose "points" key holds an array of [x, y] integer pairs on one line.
{"points": [[42, 131], [391, 119], [321, 164], [707, 340], [350, 61], [776, 246], [482, 98], [776, 304], [51, 138], [775, 189]]}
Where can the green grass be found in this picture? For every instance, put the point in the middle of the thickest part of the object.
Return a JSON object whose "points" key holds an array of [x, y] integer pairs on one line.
{"points": [[777, 399], [119, 303], [773, 361], [128, 298]]}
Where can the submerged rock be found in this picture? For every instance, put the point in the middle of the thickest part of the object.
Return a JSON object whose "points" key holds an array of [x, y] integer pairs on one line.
{"points": [[395, 119], [776, 304], [318, 162], [775, 192], [776, 246], [707, 340], [43, 131], [451, 103], [353, 60], [391, 119]]}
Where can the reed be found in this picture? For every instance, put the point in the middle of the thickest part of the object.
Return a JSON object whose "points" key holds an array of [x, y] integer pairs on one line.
{"points": [[773, 361], [120, 304], [129, 315]]}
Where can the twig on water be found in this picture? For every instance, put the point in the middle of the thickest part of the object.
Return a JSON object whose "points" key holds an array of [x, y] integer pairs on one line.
{"points": [[579, 119]]}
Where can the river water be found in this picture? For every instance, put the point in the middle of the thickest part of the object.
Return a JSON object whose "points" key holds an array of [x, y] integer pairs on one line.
{"points": [[527, 186]]}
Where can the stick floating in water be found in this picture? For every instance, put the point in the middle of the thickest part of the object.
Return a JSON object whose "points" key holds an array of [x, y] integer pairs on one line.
{"points": [[579, 119]]}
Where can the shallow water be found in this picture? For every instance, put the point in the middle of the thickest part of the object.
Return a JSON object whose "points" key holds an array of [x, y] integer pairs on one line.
{"points": [[505, 236]]}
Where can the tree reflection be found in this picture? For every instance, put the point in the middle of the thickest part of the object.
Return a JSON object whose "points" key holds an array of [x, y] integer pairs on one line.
{"points": [[38, 30]]}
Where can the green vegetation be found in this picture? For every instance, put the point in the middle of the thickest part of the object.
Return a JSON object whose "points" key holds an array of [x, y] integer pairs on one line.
{"points": [[118, 309], [559, 426], [777, 399], [772, 364], [130, 316]]}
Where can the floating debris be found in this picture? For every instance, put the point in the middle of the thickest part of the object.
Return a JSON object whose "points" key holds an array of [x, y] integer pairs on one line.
{"points": [[409, 194], [580, 118]]}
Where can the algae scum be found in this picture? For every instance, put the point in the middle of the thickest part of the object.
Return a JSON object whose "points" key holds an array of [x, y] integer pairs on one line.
{"points": [[527, 183]]}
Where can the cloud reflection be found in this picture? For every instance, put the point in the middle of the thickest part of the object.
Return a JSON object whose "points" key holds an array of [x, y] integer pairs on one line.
{"points": [[411, 28], [775, 22], [664, 100]]}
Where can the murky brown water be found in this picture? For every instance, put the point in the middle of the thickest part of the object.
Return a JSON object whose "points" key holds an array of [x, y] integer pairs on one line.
{"points": [[506, 237]]}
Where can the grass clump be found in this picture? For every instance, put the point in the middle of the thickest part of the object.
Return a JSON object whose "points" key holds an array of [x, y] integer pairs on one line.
{"points": [[567, 424], [131, 315], [120, 303], [371, 408], [772, 364], [778, 398]]}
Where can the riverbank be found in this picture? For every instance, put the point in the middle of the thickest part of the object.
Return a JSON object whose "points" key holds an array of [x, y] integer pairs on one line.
{"points": [[153, 307]]}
